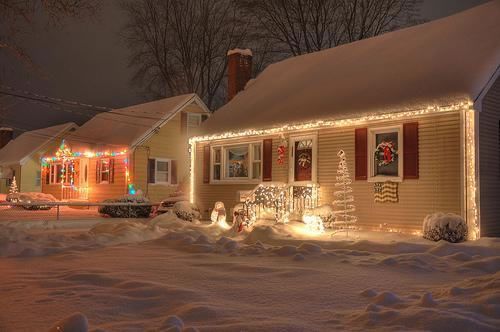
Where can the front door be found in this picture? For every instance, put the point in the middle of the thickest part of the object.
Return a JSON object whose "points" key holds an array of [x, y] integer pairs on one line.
{"points": [[303, 159]]}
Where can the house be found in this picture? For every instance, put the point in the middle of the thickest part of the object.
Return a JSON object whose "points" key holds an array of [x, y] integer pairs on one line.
{"points": [[417, 112], [21, 157], [121, 151]]}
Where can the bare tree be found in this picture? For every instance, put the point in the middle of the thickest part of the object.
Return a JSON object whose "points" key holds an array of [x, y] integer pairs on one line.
{"points": [[17, 18], [180, 46], [304, 26]]}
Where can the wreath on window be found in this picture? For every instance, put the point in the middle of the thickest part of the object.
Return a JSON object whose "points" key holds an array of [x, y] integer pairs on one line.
{"points": [[385, 153], [304, 160]]}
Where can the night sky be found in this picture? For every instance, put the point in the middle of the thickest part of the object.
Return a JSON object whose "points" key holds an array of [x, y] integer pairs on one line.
{"points": [[86, 61]]}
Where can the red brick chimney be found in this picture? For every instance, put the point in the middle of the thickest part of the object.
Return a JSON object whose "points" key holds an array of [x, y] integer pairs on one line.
{"points": [[6, 135], [239, 71]]}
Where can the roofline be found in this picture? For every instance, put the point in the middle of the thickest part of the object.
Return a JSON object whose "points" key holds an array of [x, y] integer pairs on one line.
{"points": [[332, 122], [194, 98], [478, 101], [66, 128]]}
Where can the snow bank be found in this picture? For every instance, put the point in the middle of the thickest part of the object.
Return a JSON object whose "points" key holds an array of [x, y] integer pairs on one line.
{"points": [[445, 226], [76, 322]]}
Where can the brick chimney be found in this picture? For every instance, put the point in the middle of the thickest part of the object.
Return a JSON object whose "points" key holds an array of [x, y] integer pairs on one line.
{"points": [[6, 135], [239, 71]]}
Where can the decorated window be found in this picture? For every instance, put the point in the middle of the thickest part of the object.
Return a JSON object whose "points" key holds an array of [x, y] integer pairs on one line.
{"points": [[55, 172], [303, 157], [237, 162], [162, 171], [104, 170], [385, 154]]}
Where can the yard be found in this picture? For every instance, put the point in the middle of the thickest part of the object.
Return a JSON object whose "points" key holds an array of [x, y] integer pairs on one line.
{"points": [[136, 275]]}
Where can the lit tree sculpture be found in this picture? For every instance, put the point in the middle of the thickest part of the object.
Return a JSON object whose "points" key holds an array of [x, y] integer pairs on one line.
{"points": [[344, 200], [13, 187]]}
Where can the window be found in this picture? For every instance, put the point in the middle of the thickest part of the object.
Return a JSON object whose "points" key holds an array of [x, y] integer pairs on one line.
{"points": [[303, 156], [162, 171], [194, 120], [104, 171], [38, 178], [237, 162], [55, 173], [385, 154]]}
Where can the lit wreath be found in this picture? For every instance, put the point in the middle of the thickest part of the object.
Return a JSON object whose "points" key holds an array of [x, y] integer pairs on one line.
{"points": [[385, 153]]}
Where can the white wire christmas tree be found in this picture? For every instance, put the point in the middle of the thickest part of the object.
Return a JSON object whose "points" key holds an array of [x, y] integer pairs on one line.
{"points": [[13, 186], [344, 200]]}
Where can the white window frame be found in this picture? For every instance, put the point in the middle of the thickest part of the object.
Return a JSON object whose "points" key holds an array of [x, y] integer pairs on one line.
{"points": [[291, 159], [223, 163], [371, 151], [53, 177], [100, 161], [169, 174]]}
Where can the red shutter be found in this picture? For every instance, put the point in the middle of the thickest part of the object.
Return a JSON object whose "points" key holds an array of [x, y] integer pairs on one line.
{"points": [[267, 160], [361, 153], [410, 150], [173, 176], [151, 170], [47, 175], [98, 171], [206, 164], [184, 123], [111, 171]]}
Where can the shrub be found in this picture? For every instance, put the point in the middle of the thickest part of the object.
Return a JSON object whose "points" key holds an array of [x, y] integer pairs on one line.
{"points": [[142, 211], [186, 211], [445, 226]]}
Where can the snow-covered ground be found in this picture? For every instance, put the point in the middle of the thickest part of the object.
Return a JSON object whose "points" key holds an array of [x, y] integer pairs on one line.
{"points": [[166, 274]]}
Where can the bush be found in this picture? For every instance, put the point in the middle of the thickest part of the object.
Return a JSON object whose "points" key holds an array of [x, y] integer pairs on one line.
{"points": [[142, 211], [445, 226], [325, 212], [186, 211]]}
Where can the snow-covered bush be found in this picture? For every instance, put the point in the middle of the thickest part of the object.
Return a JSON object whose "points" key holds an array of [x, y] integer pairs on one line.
{"points": [[168, 203], [186, 211], [127, 211], [325, 212], [35, 200], [445, 226]]}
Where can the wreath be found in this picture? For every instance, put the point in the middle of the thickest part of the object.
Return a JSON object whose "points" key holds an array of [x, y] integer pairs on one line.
{"points": [[304, 160], [385, 153]]}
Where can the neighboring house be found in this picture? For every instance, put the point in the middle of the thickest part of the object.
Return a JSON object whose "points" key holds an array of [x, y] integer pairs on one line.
{"points": [[21, 156], [139, 147], [417, 112]]}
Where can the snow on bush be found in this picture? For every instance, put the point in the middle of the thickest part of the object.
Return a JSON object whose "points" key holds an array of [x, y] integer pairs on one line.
{"points": [[325, 212], [127, 211], [76, 322], [445, 226], [186, 211], [32, 198]]}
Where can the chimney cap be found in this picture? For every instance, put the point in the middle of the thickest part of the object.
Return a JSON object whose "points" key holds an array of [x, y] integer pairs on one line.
{"points": [[246, 51]]}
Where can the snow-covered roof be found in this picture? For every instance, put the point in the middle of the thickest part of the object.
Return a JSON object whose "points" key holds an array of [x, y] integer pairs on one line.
{"points": [[433, 63], [126, 127], [26, 144]]}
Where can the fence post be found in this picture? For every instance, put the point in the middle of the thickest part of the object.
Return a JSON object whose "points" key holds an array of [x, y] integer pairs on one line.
{"points": [[57, 217]]}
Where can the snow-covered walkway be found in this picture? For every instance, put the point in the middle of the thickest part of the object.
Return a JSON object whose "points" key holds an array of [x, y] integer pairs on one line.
{"points": [[134, 275]]}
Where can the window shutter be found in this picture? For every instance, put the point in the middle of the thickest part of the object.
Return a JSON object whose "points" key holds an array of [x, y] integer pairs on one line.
{"points": [[151, 170], [173, 175], [267, 160], [98, 171], [111, 171], [47, 175], [206, 164], [361, 153], [410, 150], [184, 123]]}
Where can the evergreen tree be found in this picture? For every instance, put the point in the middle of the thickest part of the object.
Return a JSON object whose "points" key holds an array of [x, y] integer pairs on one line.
{"points": [[344, 200], [13, 186]]}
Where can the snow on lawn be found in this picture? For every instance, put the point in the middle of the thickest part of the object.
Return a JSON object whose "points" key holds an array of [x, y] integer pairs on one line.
{"points": [[167, 274]]}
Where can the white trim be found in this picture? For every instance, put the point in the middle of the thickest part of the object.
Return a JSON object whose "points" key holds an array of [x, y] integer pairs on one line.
{"points": [[478, 101], [223, 148], [169, 171], [371, 161], [291, 164]]}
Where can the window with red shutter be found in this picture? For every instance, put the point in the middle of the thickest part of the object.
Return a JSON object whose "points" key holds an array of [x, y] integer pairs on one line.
{"points": [[173, 175], [267, 160], [206, 164]]}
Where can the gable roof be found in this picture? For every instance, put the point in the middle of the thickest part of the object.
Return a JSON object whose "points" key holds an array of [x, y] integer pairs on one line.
{"points": [[22, 147], [127, 126], [435, 63]]}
